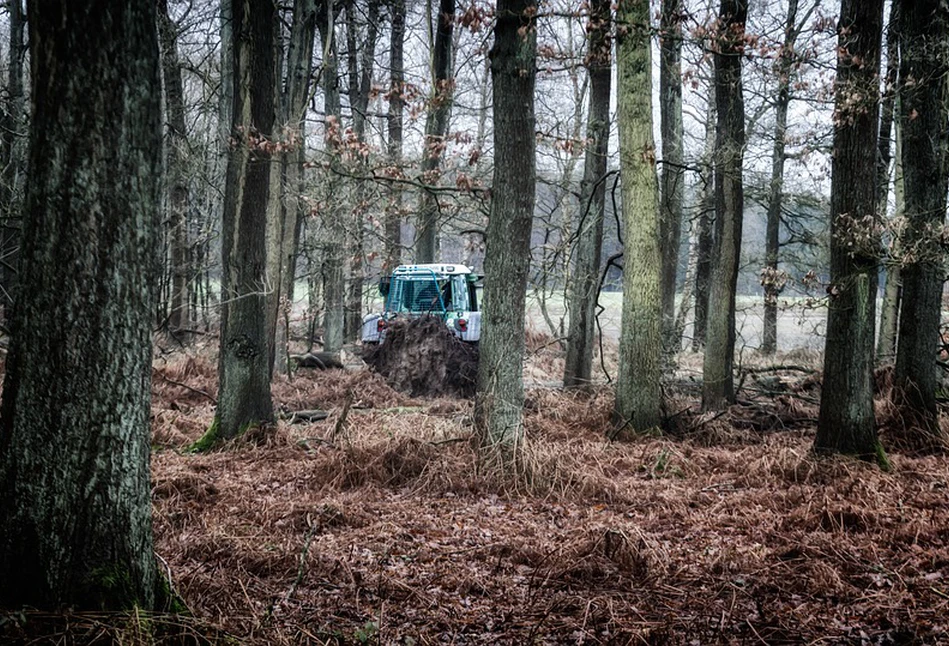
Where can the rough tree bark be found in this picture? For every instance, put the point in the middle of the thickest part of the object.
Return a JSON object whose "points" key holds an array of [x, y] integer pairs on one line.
{"points": [[500, 397], [393, 222], [75, 512], [176, 147], [244, 393], [638, 394], [672, 177], [584, 286], [771, 278], [718, 389], [436, 127], [846, 423], [924, 114]]}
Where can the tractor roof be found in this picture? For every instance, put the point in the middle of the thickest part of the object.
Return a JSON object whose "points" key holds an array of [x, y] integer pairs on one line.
{"points": [[436, 268]]}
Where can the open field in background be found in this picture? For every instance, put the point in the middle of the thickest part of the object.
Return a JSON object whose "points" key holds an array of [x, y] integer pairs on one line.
{"points": [[800, 327], [382, 526]]}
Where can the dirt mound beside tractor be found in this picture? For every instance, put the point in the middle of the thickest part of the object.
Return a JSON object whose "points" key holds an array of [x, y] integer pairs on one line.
{"points": [[422, 357]]}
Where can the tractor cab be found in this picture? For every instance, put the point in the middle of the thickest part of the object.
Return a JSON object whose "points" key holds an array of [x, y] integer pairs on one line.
{"points": [[447, 291]]}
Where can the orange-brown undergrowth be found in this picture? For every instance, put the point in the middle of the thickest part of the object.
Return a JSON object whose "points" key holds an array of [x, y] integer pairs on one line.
{"points": [[380, 525], [384, 528]]}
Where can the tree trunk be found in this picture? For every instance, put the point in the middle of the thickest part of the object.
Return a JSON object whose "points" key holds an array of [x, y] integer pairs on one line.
{"points": [[688, 288], [14, 159], [334, 283], [771, 278], [360, 85], [673, 175], [226, 104], [846, 423], [436, 127], [893, 287], [75, 512], [706, 224], [638, 394], [178, 172], [393, 221], [244, 400], [584, 287], [286, 211], [718, 379], [924, 113], [500, 395], [889, 309]]}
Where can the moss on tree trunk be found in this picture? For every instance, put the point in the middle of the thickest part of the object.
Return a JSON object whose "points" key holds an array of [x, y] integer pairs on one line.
{"points": [[638, 394], [846, 422], [244, 393]]}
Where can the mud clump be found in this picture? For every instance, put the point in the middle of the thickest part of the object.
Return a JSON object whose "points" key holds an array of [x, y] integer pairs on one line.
{"points": [[423, 358]]}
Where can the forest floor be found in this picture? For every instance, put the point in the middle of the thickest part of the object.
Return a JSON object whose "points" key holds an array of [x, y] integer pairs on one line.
{"points": [[379, 524]]}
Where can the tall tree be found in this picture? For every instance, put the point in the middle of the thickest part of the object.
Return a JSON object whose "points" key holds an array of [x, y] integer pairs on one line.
{"points": [[846, 423], [673, 175], [924, 115], [890, 306], [500, 394], [285, 215], [584, 285], [638, 395], [12, 156], [393, 220], [705, 225], [334, 283], [360, 59], [772, 278], [893, 285], [75, 513], [176, 146], [244, 393], [436, 127], [717, 374]]}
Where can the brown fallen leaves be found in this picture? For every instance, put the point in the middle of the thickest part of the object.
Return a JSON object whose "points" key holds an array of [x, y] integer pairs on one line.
{"points": [[388, 530], [381, 526]]}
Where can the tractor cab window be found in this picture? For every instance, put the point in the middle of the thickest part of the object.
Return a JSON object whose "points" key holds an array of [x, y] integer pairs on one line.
{"points": [[432, 294], [414, 294], [459, 294], [426, 298]]}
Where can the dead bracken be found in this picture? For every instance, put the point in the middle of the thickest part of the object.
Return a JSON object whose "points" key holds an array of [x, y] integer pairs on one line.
{"points": [[387, 528], [379, 524]]}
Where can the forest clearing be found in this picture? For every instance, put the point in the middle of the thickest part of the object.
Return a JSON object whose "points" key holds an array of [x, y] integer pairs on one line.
{"points": [[383, 528]]}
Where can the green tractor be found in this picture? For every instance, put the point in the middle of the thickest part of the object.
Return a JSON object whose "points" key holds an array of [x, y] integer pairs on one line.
{"points": [[445, 290]]}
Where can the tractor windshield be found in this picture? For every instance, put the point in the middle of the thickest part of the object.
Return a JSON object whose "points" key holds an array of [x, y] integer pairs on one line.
{"points": [[416, 294], [430, 293]]}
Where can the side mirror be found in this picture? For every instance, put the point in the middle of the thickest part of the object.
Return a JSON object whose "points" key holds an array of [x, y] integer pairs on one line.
{"points": [[384, 284]]}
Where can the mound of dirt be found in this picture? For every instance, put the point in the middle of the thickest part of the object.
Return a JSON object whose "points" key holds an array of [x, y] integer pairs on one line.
{"points": [[422, 357]]}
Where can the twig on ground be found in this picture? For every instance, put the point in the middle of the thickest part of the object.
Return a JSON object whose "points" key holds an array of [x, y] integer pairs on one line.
{"points": [[186, 387]]}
